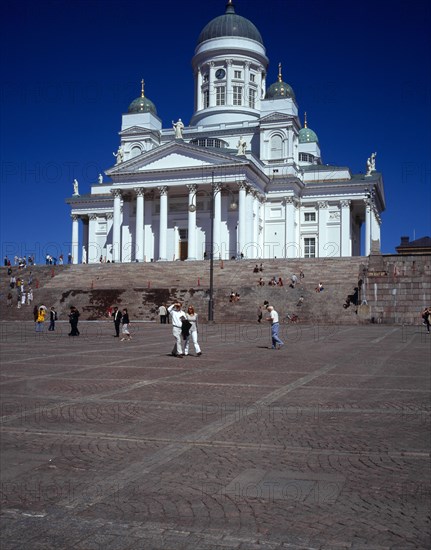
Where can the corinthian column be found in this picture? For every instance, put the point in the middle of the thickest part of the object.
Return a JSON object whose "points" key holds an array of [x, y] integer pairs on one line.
{"points": [[139, 232], [75, 238], [367, 248], [322, 225], [217, 248], [116, 230], [346, 238], [163, 226], [191, 248], [242, 216], [290, 246]]}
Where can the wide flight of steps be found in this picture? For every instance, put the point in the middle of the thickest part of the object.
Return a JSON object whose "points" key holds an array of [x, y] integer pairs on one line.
{"points": [[143, 287], [395, 289]]}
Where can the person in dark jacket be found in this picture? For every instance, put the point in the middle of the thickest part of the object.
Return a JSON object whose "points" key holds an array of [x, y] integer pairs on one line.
{"points": [[73, 320], [52, 318], [116, 316]]}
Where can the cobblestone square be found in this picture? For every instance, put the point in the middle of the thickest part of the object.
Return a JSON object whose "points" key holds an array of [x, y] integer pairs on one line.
{"points": [[324, 444]]}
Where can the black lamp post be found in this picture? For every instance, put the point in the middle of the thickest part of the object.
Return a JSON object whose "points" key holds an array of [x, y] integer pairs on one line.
{"points": [[192, 208], [211, 295]]}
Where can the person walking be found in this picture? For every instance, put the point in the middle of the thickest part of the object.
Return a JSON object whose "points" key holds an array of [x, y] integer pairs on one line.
{"points": [[41, 313], [426, 316], [177, 314], [162, 314], [116, 316], [192, 318], [275, 326], [52, 319], [125, 333], [73, 320]]}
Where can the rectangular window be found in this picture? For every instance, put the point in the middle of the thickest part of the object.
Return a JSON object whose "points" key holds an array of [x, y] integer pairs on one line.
{"points": [[310, 248], [237, 74], [206, 99], [252, 77], [310, 216], [237, 95], [220, 95], [252, 98]]}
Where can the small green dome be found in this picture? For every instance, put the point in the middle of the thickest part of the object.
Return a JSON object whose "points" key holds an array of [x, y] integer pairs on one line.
{"points": [[306, 135], [280, 89], [230, 24], [142, 104]]}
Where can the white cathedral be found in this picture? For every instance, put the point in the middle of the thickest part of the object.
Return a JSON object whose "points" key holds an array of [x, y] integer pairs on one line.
{"points": [[243, 179]]}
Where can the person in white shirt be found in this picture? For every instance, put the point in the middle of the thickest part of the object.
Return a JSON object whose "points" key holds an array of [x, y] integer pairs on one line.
{"points": [[192, 317], [177, 314], [275, 326]]}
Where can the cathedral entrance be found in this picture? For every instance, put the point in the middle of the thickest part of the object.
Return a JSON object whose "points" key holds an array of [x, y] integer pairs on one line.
{"points": [[184, 245]]}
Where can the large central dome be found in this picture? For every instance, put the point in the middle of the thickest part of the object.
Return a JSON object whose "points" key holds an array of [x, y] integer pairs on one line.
{"points": [[230, 24]]}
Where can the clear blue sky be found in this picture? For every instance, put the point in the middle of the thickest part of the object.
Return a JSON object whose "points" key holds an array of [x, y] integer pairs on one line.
{"points": [[361, 70]]}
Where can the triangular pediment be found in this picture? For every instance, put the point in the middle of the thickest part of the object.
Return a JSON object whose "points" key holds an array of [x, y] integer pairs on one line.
{"points": [[134, 130], [174, 156], [276, 117]]}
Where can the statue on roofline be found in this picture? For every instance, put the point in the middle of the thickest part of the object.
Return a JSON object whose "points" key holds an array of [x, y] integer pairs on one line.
{"points": [[119, 155], [371, 164], [178, 127]]}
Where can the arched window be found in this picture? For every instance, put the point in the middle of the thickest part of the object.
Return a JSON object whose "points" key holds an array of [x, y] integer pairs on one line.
{"points": [[276, 147], [135, 151]]}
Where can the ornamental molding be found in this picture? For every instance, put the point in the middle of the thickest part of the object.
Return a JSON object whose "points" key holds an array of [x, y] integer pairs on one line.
{"points": [[163, 190], [290, 200], [92, 217], [334, 215], [74, 217], [140, 192], [192, 187], [345, 203], [116, 193], [322, 205]]}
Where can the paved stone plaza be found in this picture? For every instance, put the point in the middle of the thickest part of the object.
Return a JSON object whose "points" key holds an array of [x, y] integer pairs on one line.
{"points": [[117, 445]]}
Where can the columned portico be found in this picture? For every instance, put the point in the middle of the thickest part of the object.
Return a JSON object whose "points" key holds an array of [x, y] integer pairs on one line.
{"points": [[163, 223], [116, 229], [75, 238], [191, 223], [139, 244], [345, 236]]}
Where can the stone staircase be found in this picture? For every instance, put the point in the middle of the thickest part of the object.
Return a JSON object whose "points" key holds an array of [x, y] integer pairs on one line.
{"points": [[395, 289]]}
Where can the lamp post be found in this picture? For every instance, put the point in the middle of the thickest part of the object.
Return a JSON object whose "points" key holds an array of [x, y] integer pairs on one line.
{"points": [[192, 208]]}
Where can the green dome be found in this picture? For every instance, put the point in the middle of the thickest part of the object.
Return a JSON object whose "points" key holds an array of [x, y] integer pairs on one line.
{"points": [[142, 105], [279, 90], [230, 24], [306, 135]]}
